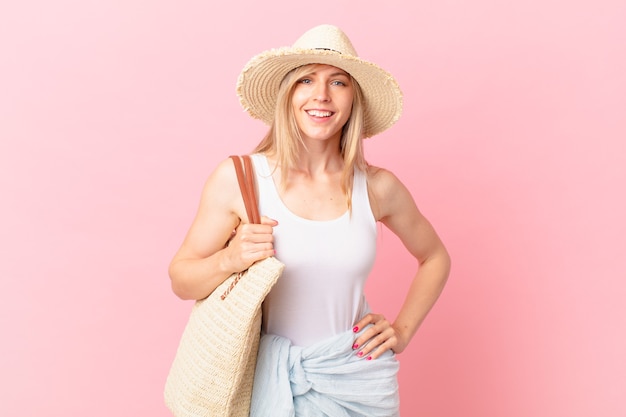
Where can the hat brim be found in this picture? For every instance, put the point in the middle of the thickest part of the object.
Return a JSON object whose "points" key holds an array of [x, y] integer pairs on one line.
{"points": [[258, 84]]}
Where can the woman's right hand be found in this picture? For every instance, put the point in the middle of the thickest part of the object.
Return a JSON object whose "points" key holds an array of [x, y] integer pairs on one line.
{"points": [[249, 243]]}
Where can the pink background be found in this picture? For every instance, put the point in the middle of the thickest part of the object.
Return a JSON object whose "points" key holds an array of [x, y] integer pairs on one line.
{"points": [[513, 141]]}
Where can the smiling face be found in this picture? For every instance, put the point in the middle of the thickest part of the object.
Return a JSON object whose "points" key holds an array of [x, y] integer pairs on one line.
{"points": [[322, 102]]}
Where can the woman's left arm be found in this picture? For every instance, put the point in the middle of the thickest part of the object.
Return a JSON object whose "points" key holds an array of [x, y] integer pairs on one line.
{"points": [[394, 206]]}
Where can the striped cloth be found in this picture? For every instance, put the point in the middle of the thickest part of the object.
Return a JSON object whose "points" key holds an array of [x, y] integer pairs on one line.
{"points": [[323, 380]]}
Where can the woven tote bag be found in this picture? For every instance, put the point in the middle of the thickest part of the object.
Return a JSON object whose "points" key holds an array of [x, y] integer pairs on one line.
{"points": [[213, 369]]}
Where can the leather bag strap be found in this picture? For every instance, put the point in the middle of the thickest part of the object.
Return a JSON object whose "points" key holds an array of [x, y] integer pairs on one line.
{"points": [[245, 178]]}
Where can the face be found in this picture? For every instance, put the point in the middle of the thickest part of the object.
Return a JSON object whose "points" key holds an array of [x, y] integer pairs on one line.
{"points": [[322, 102]]}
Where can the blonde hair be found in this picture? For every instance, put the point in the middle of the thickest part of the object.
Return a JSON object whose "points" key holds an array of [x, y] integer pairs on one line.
{"points": [[284, 140]]}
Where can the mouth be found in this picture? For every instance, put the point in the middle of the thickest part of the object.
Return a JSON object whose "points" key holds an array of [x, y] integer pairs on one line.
{"points": [[319, 113]]}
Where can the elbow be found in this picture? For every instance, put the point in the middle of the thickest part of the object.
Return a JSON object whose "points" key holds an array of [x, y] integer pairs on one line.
{"points": [[179, 285], [447, 261], [440, 263], [180, 291]]}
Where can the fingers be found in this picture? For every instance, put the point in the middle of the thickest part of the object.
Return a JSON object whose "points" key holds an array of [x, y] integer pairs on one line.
{"points": [[270, 222], [251, 243], [258, 232], [377, 336], [255, 233]]}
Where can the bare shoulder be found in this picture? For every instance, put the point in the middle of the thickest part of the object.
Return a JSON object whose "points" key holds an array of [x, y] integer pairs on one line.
{"points": [[387, 193], [381, 180], [223, 174], [221, 194]]}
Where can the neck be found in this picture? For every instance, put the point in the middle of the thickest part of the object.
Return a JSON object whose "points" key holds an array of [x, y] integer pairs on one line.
{"points": [[316, 161], [319, 155]]}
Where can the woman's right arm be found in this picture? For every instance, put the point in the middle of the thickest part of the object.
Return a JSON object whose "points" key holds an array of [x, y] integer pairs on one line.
{"points": [[210, 253]]}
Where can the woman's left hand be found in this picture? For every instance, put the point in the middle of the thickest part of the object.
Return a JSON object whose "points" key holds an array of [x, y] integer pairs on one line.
{"points": [[377, 338]]}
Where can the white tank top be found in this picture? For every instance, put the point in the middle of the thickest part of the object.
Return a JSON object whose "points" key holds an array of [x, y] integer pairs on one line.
{"points": [[320, 293]]}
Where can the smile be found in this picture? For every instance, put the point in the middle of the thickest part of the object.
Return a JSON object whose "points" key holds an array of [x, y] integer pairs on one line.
{"points": [[319, 113]]}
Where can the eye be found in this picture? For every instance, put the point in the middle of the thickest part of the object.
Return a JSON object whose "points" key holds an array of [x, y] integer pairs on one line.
{"points": [[339, 83], [305, 81]]}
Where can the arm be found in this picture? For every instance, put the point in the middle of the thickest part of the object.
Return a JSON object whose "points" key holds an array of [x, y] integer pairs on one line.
{"points": [[394, 206], [210, 253]]}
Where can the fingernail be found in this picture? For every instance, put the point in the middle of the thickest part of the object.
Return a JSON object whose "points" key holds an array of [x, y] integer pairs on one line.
{"points": [[369, 358], [360, 354], [355, 329], [355, 346]]}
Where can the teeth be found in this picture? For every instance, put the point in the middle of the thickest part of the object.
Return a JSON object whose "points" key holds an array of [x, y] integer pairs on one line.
{"points": [[318, 113]]}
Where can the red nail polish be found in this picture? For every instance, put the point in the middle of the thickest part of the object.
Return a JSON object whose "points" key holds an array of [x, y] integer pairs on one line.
{"points": [[355, 346], [360, 354], [355, 329], [369, 358]]}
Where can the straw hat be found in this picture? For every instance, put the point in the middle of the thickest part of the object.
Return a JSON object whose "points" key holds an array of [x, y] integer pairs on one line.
{"points": [[260, 79]]}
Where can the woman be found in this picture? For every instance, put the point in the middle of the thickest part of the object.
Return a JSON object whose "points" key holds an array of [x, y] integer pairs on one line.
{"points": [[326, 352]]}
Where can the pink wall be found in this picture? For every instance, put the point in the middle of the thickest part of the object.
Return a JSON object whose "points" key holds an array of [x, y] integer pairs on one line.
{"points": [[513, 142]]}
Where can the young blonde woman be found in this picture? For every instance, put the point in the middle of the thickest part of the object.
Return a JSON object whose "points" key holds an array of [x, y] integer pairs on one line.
{"points": [[323, 351]]}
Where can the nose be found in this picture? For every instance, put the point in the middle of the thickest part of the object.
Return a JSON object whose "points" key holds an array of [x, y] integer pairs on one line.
{"points": [[321, 92]]}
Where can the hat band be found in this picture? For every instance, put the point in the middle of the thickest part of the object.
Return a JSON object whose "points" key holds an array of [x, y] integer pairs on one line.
{"points": [[328, 49]]}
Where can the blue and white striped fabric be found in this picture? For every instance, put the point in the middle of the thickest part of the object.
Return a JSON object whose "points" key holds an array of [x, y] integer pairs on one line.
{"points": [[323, 380]]}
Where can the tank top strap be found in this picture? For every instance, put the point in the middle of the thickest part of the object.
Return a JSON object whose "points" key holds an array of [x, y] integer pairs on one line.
{"points": [[265, 182], [360, 198]]}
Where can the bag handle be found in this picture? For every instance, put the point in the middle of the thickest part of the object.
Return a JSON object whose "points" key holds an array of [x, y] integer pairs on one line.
{"points": [[245, 178]]}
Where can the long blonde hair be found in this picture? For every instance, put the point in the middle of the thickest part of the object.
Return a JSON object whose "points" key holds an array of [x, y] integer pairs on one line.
{"points": [[284, 140]]}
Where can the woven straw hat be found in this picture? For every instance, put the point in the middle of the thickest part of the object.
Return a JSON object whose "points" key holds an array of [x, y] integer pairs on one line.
{"points": [[260, 79]]}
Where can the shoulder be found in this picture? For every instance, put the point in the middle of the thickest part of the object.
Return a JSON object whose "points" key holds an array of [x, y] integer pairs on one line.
{"points": [[221, 189], [387, 193], [223, 176], [382, 182]]}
